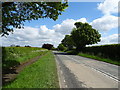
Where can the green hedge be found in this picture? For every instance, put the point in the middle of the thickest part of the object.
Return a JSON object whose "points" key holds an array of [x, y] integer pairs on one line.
{"points": [[107, 51]]}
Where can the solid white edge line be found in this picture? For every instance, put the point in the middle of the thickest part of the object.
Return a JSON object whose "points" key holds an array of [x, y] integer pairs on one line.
{"points": [[66, 86], [61, 72], [58, 73], [100, 71]]}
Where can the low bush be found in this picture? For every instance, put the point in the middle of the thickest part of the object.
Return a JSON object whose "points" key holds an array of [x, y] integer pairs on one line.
{"points": [[73, 52]]}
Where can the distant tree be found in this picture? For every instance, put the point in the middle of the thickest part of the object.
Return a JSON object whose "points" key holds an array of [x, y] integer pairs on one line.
{"points": [[84, 35], [47, 46], [15, 13], [12, 45], [61, 47], [27, 46], [53, 48], [68, 42], [17, 45]]}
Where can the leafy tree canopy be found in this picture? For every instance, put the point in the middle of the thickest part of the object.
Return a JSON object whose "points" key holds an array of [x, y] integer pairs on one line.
{"points": [[61, 47], [47, 46], [15, 13], [84, 35], [68, 42]]}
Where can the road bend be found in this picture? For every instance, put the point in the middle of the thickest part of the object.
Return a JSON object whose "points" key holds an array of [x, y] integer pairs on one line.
{"points": [[80, 72]]}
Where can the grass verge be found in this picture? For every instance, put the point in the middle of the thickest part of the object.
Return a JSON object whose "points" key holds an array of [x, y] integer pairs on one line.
{"points": [[74, 52], [41, 74], [13, 56], [99, 58]]}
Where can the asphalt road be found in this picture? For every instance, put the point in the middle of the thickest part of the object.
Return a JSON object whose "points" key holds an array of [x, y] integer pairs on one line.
{"points": [[80, 72]]}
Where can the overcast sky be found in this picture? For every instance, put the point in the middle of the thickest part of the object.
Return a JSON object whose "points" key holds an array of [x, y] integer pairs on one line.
{"points": [[103, 16]]}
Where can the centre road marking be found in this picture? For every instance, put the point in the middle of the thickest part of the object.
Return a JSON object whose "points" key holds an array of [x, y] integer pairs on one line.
{"points": [[100, 71]]}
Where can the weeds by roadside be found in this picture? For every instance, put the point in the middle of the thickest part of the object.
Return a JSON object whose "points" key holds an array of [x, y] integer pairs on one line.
{"points": [[41, 74], [14, 56]]}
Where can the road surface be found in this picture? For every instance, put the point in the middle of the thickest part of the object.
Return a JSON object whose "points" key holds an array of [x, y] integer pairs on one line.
{"points": [[79, 72]]}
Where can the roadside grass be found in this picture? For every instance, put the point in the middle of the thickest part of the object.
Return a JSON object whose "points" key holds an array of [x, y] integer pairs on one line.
{"points": [[99, 58], [13, 56], [74, 52], [30, 55], [41, 74]]}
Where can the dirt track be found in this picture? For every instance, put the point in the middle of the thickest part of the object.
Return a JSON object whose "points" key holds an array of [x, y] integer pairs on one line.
{"points": [[13, 72]]}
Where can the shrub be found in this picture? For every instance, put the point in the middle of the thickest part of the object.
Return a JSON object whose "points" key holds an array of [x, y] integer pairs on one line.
{"points": [[73, 52], [62, 47]]}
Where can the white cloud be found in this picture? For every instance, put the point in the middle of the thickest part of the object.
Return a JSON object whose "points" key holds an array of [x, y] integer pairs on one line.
{"points": [[32, 36], [105, 23], [111, 39], [67, 25], [0, 41], [109, 6], [38, 36], [108, 21]]}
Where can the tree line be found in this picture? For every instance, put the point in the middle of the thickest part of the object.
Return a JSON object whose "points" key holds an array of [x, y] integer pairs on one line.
{"points": [[83, 34]]}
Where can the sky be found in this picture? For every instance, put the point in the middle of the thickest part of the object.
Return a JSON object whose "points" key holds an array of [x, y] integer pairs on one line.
{"points": [[103, 16]]}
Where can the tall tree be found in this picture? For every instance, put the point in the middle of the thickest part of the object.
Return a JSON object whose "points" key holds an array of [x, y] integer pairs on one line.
{"points": [[15, 13], [68, 42], [84, 35]]}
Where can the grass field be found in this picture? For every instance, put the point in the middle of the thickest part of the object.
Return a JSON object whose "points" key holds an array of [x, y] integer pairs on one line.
{"points": [[41, 74], [12, 56]]}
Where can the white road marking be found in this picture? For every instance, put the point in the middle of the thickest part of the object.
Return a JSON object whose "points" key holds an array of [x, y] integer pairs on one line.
{"points": [[61, 72], [106, 74], [58, 72], [66, 86], [100, 71]]}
